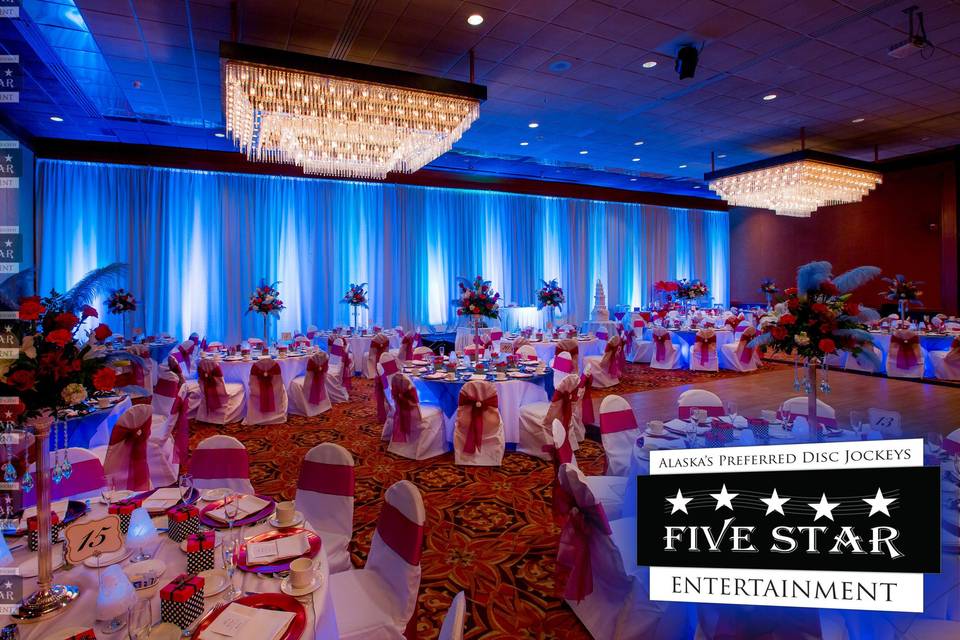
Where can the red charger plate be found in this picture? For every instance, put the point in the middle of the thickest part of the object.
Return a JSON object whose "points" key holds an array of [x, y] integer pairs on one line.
{"points": [[271, 601], [283, 565], [252, 518]]}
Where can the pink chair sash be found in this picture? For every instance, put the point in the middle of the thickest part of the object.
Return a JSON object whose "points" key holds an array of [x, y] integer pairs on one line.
{"points": [[379, 345], [407, 403], [746, 351], [563, 365], [708, 344], [660, 341], [181, 431], [586, 405], [401, 534], [496, 335], [627, 338], [561, 408], [602, 335], [574, 566], [612, 354], [129, 467], [908, 350], [185, 355], [638, 323], [561, 497], [267, 375], [406, 347], [220, 464], [211, 383], [316, 378], [617, 421], [953, 356], [331, 479], [570, 346], [684, 412], [476, 416], [86, 477], [166, 388]]}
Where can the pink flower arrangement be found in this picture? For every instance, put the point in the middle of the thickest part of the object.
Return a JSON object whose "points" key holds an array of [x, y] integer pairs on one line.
{"points": [[266, 299], [478, 298], [121, 301]]}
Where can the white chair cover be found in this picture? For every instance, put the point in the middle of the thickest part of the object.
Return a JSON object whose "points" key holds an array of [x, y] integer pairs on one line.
{"points": [[606, 369], [220, 402], [640, 350], [453, 622], [388, 367], [536, 418], [527, 353], [423, 353], [478, 429], [417, 431], [336, 378], [797, 406], [618, 433], [126, 457], [699, 399], [165, 392], [905, 357], [664, 354], [186, 355], [379, 344], [863, 364], [221, 462], [703, 353], [946, 364], [192, 386], [267, 402], [737, 355], [562, 365], [387, 586], [308, 393], [85, 481], [325, 492]]}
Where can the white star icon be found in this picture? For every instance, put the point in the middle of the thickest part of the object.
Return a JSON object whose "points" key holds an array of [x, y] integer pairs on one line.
{"points": [[679, 503], [8, 585], [879, 504], [823, 508], [8, 158], [9, 72], [723, 498], [9, 243], [775, 503]]}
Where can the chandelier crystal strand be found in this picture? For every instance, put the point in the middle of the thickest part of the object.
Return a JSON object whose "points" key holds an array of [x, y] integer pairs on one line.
{"points": [[797, 188], [339, 127]]}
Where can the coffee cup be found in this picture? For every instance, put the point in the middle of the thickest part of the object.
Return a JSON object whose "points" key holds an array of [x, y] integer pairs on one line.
{"points": [[655, 426], [301, 573], [285, 512], [103, 403]]}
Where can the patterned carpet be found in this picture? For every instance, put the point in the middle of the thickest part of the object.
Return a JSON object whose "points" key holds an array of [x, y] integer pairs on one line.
{"points": [[489, 530]]}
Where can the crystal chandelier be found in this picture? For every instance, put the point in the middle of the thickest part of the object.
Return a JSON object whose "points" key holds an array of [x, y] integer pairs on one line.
{"points": [[339, 118], [795, 184]]}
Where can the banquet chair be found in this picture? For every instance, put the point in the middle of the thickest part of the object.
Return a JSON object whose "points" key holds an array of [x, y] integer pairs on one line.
{"points": [[527, 353], [905, 357], [418, 429], [407, 345], [308, 393], [388, 584], [571, 346], [863, 363], [165, 392], [536, 418], [340, 370], [612, 602], [738, 355], [192, 386], [387, 368], [325, 497], [562, 365], [610, 491], [126, 457], [478, 428], [379, 344], [798, 406], [221, 462], [946, 364], [640, 350], [618, 433], [606, 369], [474, 349], [86, 479], [423, 353], [703, 352], [267, 400], [699, 399], [184, 354], [169, 441], [453, 622], [664, 354], [220, 402], [142, 373]]}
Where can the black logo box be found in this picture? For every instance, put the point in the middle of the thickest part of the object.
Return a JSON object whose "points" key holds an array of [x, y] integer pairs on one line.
{"points": [[915, 515]]}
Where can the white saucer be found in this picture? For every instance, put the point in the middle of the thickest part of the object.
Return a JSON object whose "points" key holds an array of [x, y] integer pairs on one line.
{"points": [[297, 519], [137, 569], [289, 589], [217, 541], [215, 581], [28, 568], [212, 495], [108, 558]]}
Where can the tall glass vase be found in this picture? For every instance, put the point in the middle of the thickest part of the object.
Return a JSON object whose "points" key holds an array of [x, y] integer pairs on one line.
{"points": [[550, 312], [902, 308], [266, 340], [356, 311], [49, 599], [811, 388], [476, 338]]}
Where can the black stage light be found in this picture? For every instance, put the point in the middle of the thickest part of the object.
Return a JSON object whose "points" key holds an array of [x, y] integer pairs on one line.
{"points": [[687, 58]]}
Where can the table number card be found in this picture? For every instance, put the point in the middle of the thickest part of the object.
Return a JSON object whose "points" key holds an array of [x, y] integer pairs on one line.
{"points": [[86, 539], [286, 336]]}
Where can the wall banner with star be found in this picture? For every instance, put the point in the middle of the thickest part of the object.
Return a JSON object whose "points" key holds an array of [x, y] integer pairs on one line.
{"points": [[852, 525]]}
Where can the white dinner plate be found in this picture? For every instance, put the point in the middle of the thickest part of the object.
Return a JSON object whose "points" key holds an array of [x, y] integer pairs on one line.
{"points": [[212, 495], [118, 495], [136, 572], [214, 581], [107, 559]]}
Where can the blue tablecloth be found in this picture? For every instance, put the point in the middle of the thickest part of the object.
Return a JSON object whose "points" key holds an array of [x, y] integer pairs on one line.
{"points": [[91, 430]]}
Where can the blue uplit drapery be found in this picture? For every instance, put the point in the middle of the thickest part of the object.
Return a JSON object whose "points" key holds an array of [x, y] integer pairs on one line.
{"points": [[199, 242]]}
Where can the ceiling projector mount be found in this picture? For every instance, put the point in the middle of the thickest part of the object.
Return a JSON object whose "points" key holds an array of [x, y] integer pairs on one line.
{"points": [[916, 40]]}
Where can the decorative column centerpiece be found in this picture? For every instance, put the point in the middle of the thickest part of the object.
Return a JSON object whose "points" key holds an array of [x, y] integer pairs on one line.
{"points": [[477, 300], [550, 296], [904, 292], [356, 297], [121, 302], [769, 289], [815, 320], [53, 371], [266, 301]]}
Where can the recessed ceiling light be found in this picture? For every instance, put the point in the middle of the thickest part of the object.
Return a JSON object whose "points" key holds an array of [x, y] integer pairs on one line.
{"points": [[475, 20], [633, 179], [682, 166], [638, 143], [560, 65], [584, 152], [722, 155], [649, 64], [524, 143], [696, 186], [635, 160], [857, 120], [770, 96], [533, 125], [56, 118], [219, 134]]}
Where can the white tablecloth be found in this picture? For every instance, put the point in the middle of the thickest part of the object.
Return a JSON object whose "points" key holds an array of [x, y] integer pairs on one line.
{"points": [[239, 370], [928, 342], [465, 336], [359, 346], [684, 339], [546, 349], [512, 395], [321, 619]]}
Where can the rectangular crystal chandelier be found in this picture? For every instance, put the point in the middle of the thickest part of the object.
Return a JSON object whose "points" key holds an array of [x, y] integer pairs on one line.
{"points": [[795, 184], [339, 118]]}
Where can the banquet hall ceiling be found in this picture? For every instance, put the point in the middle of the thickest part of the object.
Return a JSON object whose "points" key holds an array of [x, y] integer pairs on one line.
{"points": [[147, 72]]}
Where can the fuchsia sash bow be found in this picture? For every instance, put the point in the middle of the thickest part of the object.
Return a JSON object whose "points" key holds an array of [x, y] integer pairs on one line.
{"points": [[476, 415], [185, 355], [561, 407], [134, 460], [389, 367], [316, 380], [406, 347], [743, 346], [173, 364], [407, 404], [612, 354], [401, 534], [602, 335], [379, 345], [181, 431], [733, 321], [573, 556], [561, 497], [570, 346], [266, 373], [323, 477], [166, 388], [346, 365], [617, 421], [563, 365], [953, 356], [220, 464], [707, 343], [211, 383], [660, 341], [586, 405], [907, 349]]}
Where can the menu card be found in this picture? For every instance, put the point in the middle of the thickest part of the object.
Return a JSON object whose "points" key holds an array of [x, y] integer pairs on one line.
{"points": [[248, 505], [240, 622], [162, 499], [271, 551]]}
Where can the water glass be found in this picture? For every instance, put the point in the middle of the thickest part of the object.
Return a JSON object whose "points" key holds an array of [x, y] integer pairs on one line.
{"points": [[186, 486], [731, 409], [858, 419], [230, 548], [139, 620], [108, 490], [231, 508]]}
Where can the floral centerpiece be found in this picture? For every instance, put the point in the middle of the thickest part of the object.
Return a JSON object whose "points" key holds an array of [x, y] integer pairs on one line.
{"points": [[902, 291], [769, 289], [818, 318], [356, 297], [551, 296], [688, 290], [664, 291], [266, 301], [478, 298], [121, 302]]}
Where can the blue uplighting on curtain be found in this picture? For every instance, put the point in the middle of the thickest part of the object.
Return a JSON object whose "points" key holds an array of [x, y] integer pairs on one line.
{"points": [[198, 243]]}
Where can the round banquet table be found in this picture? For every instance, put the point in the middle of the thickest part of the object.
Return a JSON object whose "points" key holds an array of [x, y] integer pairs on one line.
{"points": [[548, 347], [359, 347], [512, 394], [239, 370], [928, 342], [465, 336], [684, 339], [321, 619], [93, 429]]}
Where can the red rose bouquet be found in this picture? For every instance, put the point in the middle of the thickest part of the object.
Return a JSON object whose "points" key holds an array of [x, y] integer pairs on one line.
{"points": [[478, 298], [121, 301], [266, 299], [550, 295], [691, 289]]}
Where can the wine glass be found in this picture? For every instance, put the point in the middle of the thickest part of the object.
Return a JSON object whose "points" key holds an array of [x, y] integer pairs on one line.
{"points": [[857, 421], [230, 548], [231, 508], [108, 491], [186, 486], [443, 350], [139, 620], [732, 410]]}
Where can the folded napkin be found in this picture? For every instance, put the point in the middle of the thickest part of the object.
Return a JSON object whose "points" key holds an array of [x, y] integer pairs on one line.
{"points": [[162, 499], [248, 505], [278, 549], [240, 622], [652, 442], [59, 507]]}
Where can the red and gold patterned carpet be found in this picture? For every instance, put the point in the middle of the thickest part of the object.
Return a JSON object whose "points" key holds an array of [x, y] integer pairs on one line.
{"points": [[489, 531]]}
